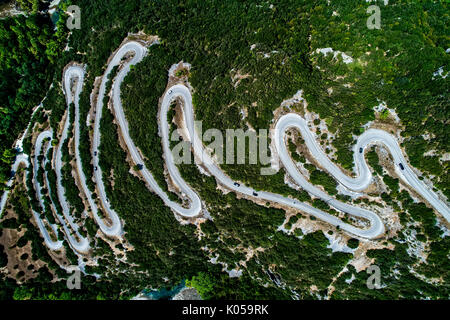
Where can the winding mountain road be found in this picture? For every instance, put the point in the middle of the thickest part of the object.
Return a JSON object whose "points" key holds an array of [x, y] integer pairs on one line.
{"points": [[53, 245], [364, 175], [23, 159], [137, 52], [81, 245], [182, 92], [195, 202], [115, 227], [292, 120]]}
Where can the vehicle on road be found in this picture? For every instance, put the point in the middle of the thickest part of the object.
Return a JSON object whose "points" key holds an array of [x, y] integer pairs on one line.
{"points": [[95, 168], [237, 184], [401, 166], [255, 194], [360, 150]]}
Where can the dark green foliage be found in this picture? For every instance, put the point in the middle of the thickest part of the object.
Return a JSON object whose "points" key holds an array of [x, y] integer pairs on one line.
{"points": [[353, 243], [398, 284], [3, 257], [215, 286], [298, 262], [322, 178], [28, 49], [304, 263], [392, 183], [38, 289], [140, 103], [148, 220], [438, 264], [374, 162], [32, 5], [398, 71]]}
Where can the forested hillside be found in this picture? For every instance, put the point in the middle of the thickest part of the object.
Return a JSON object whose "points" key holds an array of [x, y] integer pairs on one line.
{"points": [[29, 48], [247, 57]]}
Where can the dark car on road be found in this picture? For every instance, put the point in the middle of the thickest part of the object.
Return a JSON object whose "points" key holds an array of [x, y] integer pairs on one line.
{"points": [[255, 194], [237, 184], [401, 166], [360, 150]]}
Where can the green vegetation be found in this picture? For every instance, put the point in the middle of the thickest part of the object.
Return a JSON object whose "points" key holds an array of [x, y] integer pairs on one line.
{"points": [[220, 286], [353, 243], [3, 257], [225, 44], [21, 205], [374, 162], [244, 225], [404, 54], [322, 178], [28, 52], [294, 153], [71, 191], [286, 29], [148, 220], [38, 289], [140, 104], [398, 282], [276, 46], [392, 183], [31, 5]]}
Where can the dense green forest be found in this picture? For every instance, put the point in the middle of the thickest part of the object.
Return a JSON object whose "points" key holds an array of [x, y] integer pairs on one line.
{"points": [[275, 45], [29, 48]]}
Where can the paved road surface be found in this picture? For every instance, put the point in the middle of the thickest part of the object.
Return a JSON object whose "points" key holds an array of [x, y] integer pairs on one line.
{"points": [[115, 228], [179, 91], [139, 52], [360, 182]]}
